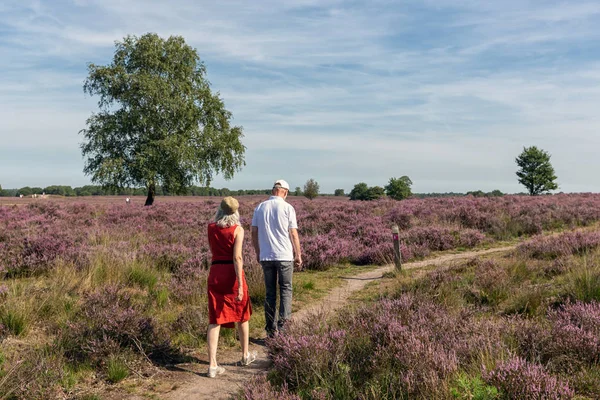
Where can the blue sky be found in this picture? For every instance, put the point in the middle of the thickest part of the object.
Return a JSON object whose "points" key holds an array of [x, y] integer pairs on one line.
{"points": [[447, 92]]}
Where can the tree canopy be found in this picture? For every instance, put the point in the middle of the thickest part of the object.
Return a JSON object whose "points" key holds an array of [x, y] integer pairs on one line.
{"points": [[361, 191], [535, 171], [159, 123], [399, 188], [311, 189]]}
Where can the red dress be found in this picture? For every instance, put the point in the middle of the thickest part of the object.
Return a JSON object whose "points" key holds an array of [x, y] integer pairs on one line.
{"points": [[223, 308]]}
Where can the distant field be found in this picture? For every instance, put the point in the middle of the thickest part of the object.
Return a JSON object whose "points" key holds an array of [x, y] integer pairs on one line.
{"points": [[90, 279], [142, 199]]}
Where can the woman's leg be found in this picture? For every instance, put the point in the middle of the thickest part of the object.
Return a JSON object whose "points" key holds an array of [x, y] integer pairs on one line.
{"points": [[213, 340], [244, 333]]}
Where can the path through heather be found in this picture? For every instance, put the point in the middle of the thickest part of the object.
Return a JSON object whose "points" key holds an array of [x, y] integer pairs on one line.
{"points": [[195, 384]]}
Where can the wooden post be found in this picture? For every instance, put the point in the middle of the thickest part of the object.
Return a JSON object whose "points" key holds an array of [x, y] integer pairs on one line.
{"points": [[397, 255]]}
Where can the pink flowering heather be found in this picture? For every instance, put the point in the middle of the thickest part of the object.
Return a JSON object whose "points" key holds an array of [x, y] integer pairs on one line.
{"points": [[110, 320], [567, 341], [260, 389], [562, 245], [575, 334], [304, 359], [519, 379], [402, 347], [34, 238]]}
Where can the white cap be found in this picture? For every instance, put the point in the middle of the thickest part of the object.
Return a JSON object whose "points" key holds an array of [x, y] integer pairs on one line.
{"points": [[282, 183]]}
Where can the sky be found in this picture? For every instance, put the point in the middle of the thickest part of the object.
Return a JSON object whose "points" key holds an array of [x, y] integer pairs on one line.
{"points": [[447, 92]]}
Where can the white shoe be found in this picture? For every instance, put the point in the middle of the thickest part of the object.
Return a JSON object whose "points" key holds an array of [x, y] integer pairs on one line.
{"points": [[248, 359], [214, 371]]}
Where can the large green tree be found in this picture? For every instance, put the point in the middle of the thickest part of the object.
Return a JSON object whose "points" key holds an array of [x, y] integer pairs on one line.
{"points": [[535, 171], [159, 123], [399, 188]]}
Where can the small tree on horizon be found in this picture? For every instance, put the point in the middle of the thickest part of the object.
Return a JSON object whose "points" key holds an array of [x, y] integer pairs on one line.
{"points": [[159, 123], [298, 191], [339, 192], [375, 193], [399, 188], [311, 189], [535, 171], [359, 191]]}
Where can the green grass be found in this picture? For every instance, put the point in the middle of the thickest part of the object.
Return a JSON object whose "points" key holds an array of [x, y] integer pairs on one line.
{"points": [[161, 296], [584, 281], [116, 370], [15, 321], [74, 374], [142, 277], [467, 387], [310, 285], [89, 397]]}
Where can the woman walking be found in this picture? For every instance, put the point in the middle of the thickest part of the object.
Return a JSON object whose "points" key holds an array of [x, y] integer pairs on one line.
{"points": [[228, 301]]}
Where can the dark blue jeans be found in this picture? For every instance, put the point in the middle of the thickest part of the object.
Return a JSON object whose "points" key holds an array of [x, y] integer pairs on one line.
{"points": [[277, 271]]}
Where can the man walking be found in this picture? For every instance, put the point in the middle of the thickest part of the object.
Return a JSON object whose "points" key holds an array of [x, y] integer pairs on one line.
{"points": [[277, 246]]}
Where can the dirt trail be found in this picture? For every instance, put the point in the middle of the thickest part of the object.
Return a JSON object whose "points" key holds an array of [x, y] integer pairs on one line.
{"points": [[198, 386]]}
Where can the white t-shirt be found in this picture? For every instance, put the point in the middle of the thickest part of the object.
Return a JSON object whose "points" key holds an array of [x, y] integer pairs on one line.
{"points": [[274, 218]]}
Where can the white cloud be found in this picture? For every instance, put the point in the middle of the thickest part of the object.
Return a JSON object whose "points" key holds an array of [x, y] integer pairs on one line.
{"points": [[447, 92]]}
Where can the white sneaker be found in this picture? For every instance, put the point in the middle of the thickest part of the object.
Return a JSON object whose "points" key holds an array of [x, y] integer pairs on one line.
{"points": [[248, 359], [214, 371]]}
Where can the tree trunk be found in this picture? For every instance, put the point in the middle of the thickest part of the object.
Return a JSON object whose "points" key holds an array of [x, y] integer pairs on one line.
{"points": [[151, 192]]}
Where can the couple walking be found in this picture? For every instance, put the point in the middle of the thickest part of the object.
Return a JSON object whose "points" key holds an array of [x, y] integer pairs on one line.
{"points": [[277, 247]]}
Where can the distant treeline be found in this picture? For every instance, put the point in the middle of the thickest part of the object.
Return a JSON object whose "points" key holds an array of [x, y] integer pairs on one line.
{"points": [[476, 193], [91, 190]]}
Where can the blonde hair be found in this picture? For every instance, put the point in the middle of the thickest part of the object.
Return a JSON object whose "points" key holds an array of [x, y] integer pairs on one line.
{"points": [[224, 220]]}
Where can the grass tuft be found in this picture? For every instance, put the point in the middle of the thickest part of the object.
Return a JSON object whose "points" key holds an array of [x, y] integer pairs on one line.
{"points": [[116, 370], [142, 277], [15, 321]]}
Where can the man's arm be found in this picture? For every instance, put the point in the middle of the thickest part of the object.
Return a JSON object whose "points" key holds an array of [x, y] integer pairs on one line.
{"points": [[255, 242], [296, 245]]}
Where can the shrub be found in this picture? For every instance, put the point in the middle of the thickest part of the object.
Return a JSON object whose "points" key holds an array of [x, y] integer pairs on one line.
{"points": [[192, 323], [568, 341], [562, 245], [32, 374], [575, 335], [492, 282], [260, 389], [110, 320], [400, 348], [519, 379], [188, 283]]}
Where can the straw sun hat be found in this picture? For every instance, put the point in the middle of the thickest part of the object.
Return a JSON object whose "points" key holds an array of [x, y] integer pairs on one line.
{"points": [[229, 205]]}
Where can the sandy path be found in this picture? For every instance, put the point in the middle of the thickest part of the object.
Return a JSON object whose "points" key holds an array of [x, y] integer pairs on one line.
{"points": [[198, 386]]}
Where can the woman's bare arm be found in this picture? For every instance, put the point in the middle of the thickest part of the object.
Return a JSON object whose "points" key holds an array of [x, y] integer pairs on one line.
{"points": [[238, 260]]}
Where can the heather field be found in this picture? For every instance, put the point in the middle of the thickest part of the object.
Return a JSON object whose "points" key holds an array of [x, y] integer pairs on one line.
{"points": [[95, 292], [522, 326]]}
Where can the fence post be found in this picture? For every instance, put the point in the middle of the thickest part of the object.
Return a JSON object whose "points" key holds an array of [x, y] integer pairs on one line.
{"points": [[397, 254]]}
